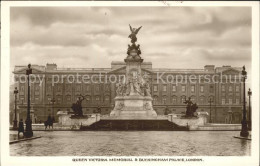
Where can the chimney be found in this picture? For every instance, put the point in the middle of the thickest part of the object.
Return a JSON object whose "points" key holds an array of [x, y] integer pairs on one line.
{"points": [[209, 68], [51, 66]]}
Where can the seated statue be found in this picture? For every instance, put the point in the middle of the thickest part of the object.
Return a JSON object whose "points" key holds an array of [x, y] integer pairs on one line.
{"points": [[76, 107], [190, 108], [119, 90], [136, 86], [147, 91]]}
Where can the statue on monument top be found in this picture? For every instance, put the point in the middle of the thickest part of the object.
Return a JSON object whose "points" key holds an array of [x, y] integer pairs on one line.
{"points": [[134, 50], [133, 34]]}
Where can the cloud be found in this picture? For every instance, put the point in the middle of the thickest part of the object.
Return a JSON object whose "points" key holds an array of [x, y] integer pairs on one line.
{"points": [[46, 16], [173, 37]]}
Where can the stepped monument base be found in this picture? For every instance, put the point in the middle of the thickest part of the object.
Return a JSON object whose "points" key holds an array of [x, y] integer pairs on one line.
{"points": [[133, 107]]}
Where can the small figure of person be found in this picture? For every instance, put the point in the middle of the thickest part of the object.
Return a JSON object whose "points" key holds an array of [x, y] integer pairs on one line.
{"points": [[20, 128], [48, 122]]}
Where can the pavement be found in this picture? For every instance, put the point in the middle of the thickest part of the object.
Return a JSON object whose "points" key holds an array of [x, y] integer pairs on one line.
{"points": [[23, 139]]}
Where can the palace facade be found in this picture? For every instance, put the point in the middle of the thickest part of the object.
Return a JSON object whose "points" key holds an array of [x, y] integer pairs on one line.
{"points": [[169, 88]]}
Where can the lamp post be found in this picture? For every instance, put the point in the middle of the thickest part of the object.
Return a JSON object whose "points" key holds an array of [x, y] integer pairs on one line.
{"points": [[210, 101], [249, 110], [28, 130], [244, 130], [52, 102], [15, 114]]}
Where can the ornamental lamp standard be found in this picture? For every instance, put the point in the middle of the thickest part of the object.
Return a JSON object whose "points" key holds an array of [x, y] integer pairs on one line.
{"points": [[249, 110], [210, 101], [28, 129], [244, 130], [15, 114]]}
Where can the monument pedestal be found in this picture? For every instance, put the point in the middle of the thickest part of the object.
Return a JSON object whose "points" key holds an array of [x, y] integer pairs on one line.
{"points": [[133, 107]]}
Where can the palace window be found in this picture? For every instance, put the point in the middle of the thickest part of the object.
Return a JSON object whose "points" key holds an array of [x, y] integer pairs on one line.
{"points": [[68, 98], [37, 93], [237, 88], [223, 101], [22, 89], [174, 99], [183, 99], [87, 88], [212, 99], [68, 87], [174, 88], [97, 98], [164, 88], [164, 99], [237, 101], [87, 98], [223, 88], [193, 99], [155, 88], [48, 88], [155, 99], [78, 88], [183, 88], [59, 99], [202, 100], [97, 88], [230, 88], [37, 87], [106, 87], [202, 88], [106, 98], [22, 100], [230, 101], [59, 87], [192, 88]]}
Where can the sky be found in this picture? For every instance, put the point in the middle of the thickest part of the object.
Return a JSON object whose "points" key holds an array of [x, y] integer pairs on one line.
{"points": [[170, 37]]}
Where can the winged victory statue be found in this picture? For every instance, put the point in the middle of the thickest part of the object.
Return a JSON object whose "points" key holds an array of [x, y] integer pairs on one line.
{"points": [[133, 34]]}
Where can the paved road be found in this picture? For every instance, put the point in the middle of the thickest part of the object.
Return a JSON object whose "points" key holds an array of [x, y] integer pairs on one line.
{"points": [[133, 143]]}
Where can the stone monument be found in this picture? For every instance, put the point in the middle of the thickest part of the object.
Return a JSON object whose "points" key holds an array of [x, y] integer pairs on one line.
{"points": [[133, 109], [133, 100]]}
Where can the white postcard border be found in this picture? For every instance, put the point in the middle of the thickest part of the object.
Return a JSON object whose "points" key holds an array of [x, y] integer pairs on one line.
{"points": [[6, 159]]}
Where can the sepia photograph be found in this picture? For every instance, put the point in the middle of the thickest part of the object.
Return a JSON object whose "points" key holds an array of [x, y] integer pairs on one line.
{"points": [[164, 82]]}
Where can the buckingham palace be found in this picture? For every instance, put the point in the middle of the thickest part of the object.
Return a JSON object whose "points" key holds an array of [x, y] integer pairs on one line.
{"points": [[221, 98]]}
